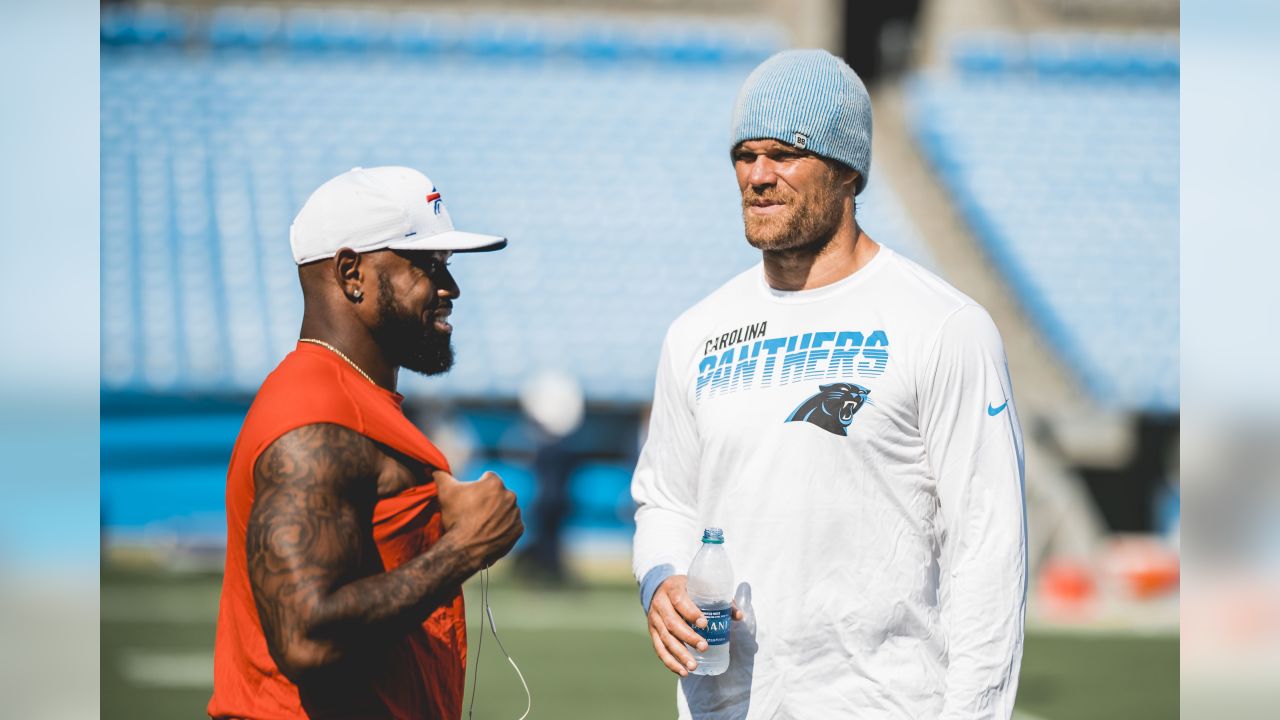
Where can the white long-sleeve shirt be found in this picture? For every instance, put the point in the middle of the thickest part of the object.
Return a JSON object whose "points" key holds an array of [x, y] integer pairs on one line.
{"points": [[859, 445]]}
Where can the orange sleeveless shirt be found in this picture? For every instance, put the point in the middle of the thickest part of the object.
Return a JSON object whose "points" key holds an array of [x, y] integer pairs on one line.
{"points": [[427, 670]]}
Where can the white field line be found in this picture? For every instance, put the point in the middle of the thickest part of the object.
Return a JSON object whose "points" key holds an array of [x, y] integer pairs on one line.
{"points": [[156, 614], [168, 669]]}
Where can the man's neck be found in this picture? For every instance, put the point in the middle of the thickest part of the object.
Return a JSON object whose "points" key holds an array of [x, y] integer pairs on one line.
{"points": [[815, 266], [354, 342]]}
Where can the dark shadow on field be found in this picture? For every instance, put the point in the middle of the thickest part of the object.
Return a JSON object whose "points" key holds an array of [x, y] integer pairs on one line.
{"points": [[716, 697]]}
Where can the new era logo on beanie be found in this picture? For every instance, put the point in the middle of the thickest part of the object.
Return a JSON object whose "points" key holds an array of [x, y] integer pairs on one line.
{"points": [[810, 99]]}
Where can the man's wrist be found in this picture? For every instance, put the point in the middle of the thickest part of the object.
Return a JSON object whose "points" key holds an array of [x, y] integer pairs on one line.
{"points": [[652, 579], [467, 559]]}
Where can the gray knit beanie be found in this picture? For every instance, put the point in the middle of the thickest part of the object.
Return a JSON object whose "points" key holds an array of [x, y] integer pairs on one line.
{"points": [[810, 99]]}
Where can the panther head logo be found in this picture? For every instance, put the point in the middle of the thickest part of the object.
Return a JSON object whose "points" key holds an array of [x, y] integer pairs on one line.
{"points": [[832, 409]]}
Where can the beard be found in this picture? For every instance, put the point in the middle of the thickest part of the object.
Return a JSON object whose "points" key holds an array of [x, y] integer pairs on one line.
{"points": [[808, 221], [410, 341]]}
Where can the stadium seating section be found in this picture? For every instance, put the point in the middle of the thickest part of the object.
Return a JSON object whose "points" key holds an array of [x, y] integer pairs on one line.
{"points": [[1062, 153], [602, 155]]}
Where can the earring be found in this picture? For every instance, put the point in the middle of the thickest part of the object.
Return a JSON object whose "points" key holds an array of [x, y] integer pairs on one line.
{"points": [[356, 294]]}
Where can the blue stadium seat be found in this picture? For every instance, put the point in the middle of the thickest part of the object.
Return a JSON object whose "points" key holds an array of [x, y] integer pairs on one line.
{"points": [[248, 27], [142, 25], [423, 32], [309, 29]]}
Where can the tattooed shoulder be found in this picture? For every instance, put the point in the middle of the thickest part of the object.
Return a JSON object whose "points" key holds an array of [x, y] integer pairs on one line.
{"points": [[323, 453]]}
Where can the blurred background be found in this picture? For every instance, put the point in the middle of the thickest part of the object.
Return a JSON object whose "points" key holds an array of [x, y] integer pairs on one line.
{"points": [[1026, 150]]}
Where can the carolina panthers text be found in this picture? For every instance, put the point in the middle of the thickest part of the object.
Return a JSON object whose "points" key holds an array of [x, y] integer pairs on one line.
{"points": [[773, 362]]}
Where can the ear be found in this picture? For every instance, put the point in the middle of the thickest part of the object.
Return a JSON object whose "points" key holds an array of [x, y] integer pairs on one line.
{"points": [[829, 387], [850, 182], [346, 272]]}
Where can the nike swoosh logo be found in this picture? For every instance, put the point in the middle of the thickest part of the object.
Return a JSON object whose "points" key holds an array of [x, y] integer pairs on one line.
{"points": [[994, 411]]}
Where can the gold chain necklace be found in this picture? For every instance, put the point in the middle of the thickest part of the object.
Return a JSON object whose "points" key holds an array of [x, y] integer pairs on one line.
{"points": [[339, 353]]}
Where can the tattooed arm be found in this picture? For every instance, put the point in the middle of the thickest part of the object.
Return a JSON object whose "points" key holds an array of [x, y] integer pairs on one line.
{"points": [[316, 576]]}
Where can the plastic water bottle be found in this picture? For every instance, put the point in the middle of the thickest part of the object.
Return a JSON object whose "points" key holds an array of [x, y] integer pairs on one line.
{"points": [[711, 589]]}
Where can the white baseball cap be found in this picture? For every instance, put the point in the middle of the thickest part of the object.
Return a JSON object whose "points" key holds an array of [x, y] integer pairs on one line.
{"points": [[377, 208]]}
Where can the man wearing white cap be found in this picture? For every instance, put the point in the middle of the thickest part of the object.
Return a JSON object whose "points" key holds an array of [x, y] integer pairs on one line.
{"points": [[347, 537], [847, 418]]}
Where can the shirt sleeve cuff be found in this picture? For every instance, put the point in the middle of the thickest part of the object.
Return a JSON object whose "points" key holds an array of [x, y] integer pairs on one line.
{"points": [[652, 579]]}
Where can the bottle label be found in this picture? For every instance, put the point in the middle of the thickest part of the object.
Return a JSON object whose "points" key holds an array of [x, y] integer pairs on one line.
{"points": [[717, 630]]}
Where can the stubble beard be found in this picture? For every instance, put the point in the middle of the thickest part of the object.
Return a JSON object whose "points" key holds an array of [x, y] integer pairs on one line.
{"points": [[410, 342], [811, 222]]}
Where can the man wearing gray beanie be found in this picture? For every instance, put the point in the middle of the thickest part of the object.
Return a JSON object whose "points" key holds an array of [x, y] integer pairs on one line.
{"points": [[846, 417]]}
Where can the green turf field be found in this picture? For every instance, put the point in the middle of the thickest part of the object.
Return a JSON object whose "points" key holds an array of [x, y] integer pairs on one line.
{"points": [[584, 653]]}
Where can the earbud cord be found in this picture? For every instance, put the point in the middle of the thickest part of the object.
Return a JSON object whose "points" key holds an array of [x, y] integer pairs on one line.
{"points": [[493, 627], [475, 679]]}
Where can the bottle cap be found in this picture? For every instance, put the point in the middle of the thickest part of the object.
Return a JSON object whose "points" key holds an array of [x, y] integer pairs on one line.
{"points": [[715, 536]]}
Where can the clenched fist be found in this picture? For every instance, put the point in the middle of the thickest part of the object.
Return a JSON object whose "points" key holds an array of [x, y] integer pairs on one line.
{"points": [[482, 516]]}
